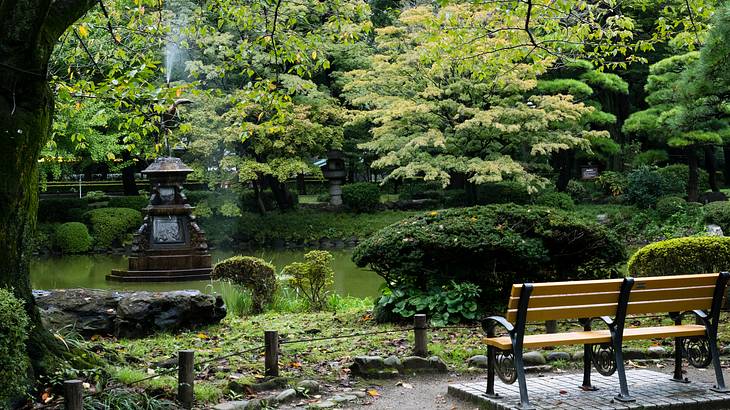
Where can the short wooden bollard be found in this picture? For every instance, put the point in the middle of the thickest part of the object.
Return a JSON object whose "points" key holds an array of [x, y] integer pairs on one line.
{"points": [[419, 329], [74, 395], [271, 353], [185, 378]]}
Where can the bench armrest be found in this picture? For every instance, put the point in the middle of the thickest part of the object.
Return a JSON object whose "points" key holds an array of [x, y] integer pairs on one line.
{"points": [[491, 322]]}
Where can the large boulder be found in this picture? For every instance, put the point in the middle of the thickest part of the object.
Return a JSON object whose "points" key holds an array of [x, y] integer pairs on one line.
{"points": [[127, 314]]}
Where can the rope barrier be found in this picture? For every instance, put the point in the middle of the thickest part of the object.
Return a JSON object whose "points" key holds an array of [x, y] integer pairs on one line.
{"points": [[317, 339]]}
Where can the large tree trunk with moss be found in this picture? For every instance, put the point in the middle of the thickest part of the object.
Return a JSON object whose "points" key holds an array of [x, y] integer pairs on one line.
{"points": [[30, 29], [694, 179]]}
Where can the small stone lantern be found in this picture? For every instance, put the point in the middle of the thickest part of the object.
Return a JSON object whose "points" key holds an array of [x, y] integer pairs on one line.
{"points": [[169, 246], [335, 172]]}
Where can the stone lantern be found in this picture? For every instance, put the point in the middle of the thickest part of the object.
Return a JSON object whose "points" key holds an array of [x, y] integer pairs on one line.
{"points": [[169, 246], [335, 172]]}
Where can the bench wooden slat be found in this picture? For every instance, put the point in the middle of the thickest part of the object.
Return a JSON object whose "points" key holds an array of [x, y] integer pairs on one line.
{"points": [[612, 285], [599, 336], [612, 297], [609, 309]]}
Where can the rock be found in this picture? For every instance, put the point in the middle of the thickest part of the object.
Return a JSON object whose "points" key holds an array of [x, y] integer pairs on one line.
{"points": [[393, 362], [344, 398], [415, 363], [286, 395], [656, 352], [555, 356], [477, 361], [545, 368], [327, 404], [708, 197], [437, 365], [366, 364], [127, 314], [246, 388], [308, 386], [714, 230], [256, 404], [578, 356], [634, 354], [359, 394], [602, 219], [232, 405], [533, 359]]}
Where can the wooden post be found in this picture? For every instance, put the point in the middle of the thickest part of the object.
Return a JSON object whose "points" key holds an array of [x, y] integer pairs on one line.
{"points": [[185, 378], [74, 395], [271, 353], [421, 343]]}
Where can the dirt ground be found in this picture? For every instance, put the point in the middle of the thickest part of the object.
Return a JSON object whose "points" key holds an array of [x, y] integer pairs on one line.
{"points": [[429, 392]]}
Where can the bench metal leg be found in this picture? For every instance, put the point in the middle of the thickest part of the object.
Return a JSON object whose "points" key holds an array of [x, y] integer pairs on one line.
{"points": [[520, 369], [617, 332], [490, 371], [677, 377], [623, 395], [715, 353], [587, 363]]}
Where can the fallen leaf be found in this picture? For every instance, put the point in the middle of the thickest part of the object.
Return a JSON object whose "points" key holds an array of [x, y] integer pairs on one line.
{"points": [[373, 393]]}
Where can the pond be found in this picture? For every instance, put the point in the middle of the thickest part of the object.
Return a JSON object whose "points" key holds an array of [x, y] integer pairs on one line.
{"points": [[89, 271]]}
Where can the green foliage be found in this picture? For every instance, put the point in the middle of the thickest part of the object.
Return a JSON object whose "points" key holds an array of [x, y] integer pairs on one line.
{"points": [[313, 277], [669, 205], [578, 191], [451, 303], [122, 399], [72, 237], [131, 202], [14, 326], [613, 183], [503, 193], [645, 186], [110, 226], [253, 273], [681, 256], [361, 196], [677, 177], [557, 200], [61, 209], [718, 213], [512, 244], [651, 157]]}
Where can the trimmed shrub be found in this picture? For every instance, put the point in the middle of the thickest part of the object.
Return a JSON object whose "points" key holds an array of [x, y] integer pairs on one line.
{"points": [[667, 206], [502, 193], [131, 202], [718, 213], [110, 226], [558, 200], [253, 273], [677, 177], [681, 256], [72, 237], [61, 209], [492, 247], [416, 190], [14, 361], [646, 186], [312, 277], [578, 191], [361, 196], [612, 183]]}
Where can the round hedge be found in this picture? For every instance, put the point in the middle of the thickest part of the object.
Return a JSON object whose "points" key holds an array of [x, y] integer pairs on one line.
{"points": [[13, 358], [361, 196], [718, 213], [252, 273], [559, 200], [492, 247], [132, 202], [667, 206], [680, 256], [72, 237], [109, 226]]}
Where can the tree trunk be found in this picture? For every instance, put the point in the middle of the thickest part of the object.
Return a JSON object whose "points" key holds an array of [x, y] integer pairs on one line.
{"points": [[564, 161], [128, 181], [258, 197], [30, 29], [726, 168], [301, 184], [711, 167], [282, 196], [693, 185]]}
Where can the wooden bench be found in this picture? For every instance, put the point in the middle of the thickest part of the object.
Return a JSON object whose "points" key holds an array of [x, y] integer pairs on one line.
{"points": [[609, 301]]}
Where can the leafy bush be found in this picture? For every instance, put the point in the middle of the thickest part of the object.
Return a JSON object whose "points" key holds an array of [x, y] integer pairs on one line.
{"points": [[361, 196], [196, 196], [450, 303], [502, 193], [680, 256], [612, 183], [61, 209], [677, 177], [578, 191], [667, 206], [131, 202], [110, 226], [558, 200], [72, 237], [718, 213], [490, 246], [416, 190], [253, 273], [312, 277], [96, 196], [646, 186], [14, 362]]}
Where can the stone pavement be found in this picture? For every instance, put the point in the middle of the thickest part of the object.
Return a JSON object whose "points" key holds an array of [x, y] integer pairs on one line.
{"points": [[652, 390]]}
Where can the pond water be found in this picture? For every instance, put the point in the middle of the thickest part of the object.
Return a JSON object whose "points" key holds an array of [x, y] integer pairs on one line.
{"points": [[89, 271]]}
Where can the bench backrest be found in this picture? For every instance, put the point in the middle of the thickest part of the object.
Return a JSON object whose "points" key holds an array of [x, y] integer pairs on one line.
{"points": [[593, 298]]}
